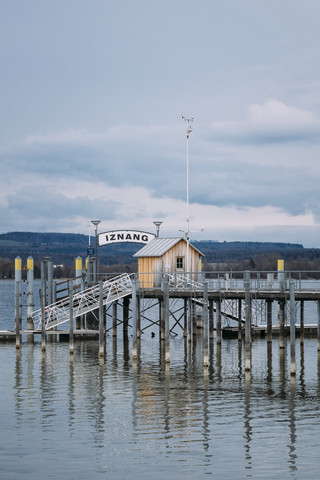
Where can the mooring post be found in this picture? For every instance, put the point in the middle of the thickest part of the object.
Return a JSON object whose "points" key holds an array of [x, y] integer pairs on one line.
{"points": [[43, 313], [301, 321], [78, 285], [30, 278], [205, 324], [71, 339], [18, 278], [17, 312], [211, 319], [269, 320], [134, 320], [101, 321], [247, 336], [240, 319], [281, 323], [161, 318], [166, 319], [114, 318], [138, 313], [292, 330]]}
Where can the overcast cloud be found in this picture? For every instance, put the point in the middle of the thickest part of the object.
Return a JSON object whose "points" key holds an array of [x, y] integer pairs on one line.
{"points": [[92, 95]]}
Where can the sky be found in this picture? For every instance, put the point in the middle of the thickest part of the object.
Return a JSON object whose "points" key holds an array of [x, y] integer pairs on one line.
{"points": [[92, 96]]}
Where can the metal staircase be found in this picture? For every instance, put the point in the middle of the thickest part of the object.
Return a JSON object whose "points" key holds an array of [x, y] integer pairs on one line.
{"points": [[83, 302]]}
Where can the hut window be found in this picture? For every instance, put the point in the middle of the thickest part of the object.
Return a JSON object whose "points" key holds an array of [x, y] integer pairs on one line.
{"points": [[179, 263]]}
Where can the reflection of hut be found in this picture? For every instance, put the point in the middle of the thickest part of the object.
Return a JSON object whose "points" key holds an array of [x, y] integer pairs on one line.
{"points": [[166, 255]]}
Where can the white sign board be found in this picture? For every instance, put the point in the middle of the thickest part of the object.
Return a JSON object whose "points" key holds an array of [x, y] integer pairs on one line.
{"points": [[123, 236]]}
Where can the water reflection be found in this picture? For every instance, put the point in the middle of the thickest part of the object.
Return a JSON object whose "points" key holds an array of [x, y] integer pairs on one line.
{"points": [[144, 412]]}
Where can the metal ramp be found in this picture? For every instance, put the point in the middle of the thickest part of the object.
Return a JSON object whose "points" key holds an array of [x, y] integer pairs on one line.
{"points": [[83, 302]]}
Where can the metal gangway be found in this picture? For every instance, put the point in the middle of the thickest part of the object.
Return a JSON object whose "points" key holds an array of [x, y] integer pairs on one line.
{"points": [[83, 302]]}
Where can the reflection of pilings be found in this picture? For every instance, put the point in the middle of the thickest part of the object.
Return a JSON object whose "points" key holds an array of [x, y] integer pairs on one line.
{"points": [[292, 426], [247, 420], [292, 330], [281, 323], [205, 324]]}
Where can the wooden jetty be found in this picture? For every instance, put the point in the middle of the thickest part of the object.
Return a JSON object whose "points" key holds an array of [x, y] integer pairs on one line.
{"points": [[216, 305]]}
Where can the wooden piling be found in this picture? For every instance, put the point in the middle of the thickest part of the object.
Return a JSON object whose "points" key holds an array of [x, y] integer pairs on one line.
{"points": [[43, 314], [292, 330], [166, 319], [240, 320], [114, 318], [205, 325], [71, 338], [218, 314], [211, 319], [281, 323], [125, 315], [247, 321], [134, 319], [17, 314], [269, 321], [101, 321], [318, 326], [185, 317], [30, 305], [189, 319], [301, 321]]}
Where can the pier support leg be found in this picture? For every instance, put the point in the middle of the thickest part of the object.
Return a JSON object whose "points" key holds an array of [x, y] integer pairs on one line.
{"points": [[281, 323], [30, 305], [161, 319], [205, 325], [211, 320], [43, 314], [247, 322], [101, 321], [71, 338], [185, 317], [114, 318], [301, 321], [134, 320], [189, 319], [125, 316], [166, 320], [218, 312], [240, 319], [138, 315], [269, 321], [292, 330], [17, 314]]}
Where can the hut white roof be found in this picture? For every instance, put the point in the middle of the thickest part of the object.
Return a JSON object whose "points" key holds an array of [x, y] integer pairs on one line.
{"points": [[159, 246]]}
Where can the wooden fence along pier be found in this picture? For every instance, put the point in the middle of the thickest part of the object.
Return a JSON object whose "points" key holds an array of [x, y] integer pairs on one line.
{"points": [[242, 304]]}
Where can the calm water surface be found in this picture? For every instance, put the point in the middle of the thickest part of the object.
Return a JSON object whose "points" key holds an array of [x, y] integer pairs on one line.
{"points": [[82, 418]]}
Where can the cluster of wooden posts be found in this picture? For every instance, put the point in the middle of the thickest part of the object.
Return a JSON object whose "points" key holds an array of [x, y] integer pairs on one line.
{"points": [[209, 299]]}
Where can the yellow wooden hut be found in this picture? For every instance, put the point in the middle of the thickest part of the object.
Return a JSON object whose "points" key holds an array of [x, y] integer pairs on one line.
{"points": [[166, 255]]}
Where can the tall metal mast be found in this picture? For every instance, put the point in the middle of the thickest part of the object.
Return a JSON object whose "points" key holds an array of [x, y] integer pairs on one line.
{"points": [[188, 121]]}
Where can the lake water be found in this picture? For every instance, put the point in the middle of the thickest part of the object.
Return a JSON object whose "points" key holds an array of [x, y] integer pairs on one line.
{"points": [[83, 418]]}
